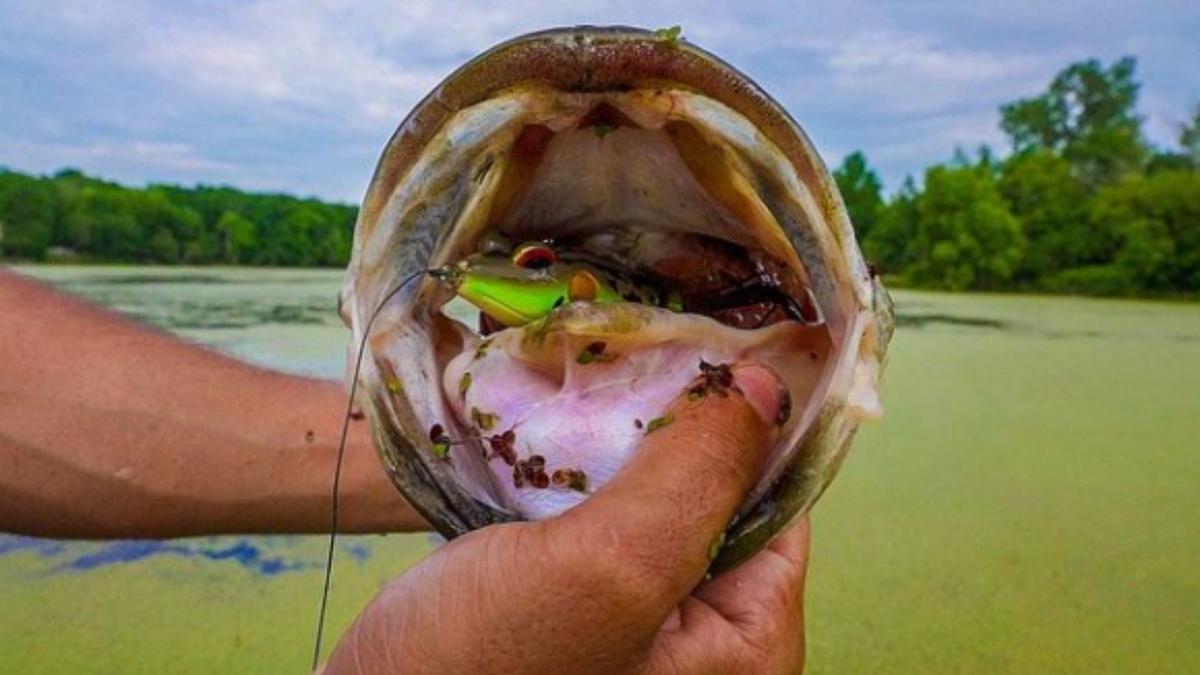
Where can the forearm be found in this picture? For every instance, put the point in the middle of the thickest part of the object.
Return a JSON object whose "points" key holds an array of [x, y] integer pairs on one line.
{"points": [[109, 428]]}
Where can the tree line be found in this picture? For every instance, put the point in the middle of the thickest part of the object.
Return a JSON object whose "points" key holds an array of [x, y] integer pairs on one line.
{"points": [[73, 217], [1081, 204]]}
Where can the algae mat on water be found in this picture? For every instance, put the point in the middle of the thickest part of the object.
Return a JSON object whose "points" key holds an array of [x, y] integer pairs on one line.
{"points": [[1029, 504]]}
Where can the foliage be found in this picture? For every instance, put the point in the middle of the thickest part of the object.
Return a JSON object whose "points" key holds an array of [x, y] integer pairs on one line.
{"points": [[27, 216], [1155, 220], [1090, 280], [1087, 116], [1082, 205], [965, 236], [103, 221], [861, 191], [1189, 138], [1050, 201], [888, 244]]}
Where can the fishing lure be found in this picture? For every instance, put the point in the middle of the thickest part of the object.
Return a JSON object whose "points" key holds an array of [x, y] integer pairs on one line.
{"points": [[522, 287], [534, 280]]}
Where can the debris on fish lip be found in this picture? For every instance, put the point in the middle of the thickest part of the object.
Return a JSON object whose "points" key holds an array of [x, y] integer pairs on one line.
{"points": [[572, 479], [594, 353], [503, 446], [441, 441], [714, 379], [659, 422]]}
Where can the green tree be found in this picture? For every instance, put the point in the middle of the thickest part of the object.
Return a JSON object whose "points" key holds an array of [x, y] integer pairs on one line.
{"points": [[1051, 203], [1189, 138], [104, 221], [965, 236], [165, 226], [861, 191], [163, 246], [331, 244], [888, 245], [1155, 220], [236, 237], [1087, 116], [27, 215], [102, 225]]}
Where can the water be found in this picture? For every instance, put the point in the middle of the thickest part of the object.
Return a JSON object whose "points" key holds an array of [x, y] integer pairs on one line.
{"points": [[283, 319], [1028, 504]]}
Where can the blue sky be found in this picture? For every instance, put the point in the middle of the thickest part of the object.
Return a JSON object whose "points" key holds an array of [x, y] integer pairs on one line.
{"points": [[300, 96]]}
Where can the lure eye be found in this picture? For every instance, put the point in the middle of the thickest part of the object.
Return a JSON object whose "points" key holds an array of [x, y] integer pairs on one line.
{"points": [[534, 257]]}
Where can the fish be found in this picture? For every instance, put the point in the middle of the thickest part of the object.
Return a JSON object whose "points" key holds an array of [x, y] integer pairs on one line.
{"points": [[570, 231]]}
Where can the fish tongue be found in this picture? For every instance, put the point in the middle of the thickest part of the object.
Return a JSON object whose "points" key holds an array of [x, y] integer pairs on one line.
{"points": [[574, 405], [581, 389]]}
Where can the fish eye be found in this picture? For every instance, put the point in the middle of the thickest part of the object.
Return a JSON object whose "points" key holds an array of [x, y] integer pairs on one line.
{"points": [[534, 256]]}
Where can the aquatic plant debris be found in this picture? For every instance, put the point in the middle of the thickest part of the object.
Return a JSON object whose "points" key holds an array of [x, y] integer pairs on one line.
{"points": [[481, 350], [714, 379], [669, 36], [503, 446], [594, 353], [715, 547], [572, 479], [441, 442], [531, 471], [602, 130], [484, 420], [659, 422]]}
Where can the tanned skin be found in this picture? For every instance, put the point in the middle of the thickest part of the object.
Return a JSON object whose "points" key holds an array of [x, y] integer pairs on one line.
{"points": [[109, 428]]}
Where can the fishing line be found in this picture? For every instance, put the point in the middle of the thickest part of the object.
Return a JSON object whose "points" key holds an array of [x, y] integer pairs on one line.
{"points": [[337, 471]]}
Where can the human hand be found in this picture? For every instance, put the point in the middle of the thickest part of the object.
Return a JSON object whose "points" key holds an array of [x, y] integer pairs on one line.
{"points": [[614, 585]]}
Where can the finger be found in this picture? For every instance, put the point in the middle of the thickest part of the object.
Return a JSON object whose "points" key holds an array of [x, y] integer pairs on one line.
{"points": [[657, 520], [753, 614], [770, 583]]}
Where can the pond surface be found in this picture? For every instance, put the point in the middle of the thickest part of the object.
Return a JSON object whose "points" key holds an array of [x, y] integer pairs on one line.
{"points": [[1029, 504]]}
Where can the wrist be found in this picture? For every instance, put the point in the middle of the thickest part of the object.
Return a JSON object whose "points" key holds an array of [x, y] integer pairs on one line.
{"points": [[368, 502]]}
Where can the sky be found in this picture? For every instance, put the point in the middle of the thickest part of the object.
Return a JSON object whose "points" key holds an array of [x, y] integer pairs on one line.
{"points": [[301, 96]]}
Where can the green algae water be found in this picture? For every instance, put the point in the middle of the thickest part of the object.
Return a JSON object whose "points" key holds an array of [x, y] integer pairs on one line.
{"points": [[1030, 502]]}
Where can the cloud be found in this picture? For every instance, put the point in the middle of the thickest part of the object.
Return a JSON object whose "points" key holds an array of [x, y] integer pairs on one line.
{"points": [[911, 73], [172, 157]]}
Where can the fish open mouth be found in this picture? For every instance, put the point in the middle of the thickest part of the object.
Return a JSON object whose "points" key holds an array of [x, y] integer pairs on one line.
{"points": [[667, 212], [710, 234]]}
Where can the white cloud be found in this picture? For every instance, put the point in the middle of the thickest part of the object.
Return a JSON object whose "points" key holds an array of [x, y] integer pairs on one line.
{"points": [[170, 156], [914, 74]]}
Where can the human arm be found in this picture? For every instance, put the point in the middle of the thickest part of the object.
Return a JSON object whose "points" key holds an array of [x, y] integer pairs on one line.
{"points": [[109, 428]]}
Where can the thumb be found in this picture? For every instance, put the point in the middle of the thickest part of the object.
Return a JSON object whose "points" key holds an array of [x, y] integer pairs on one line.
{"points": [[661, 516]]}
